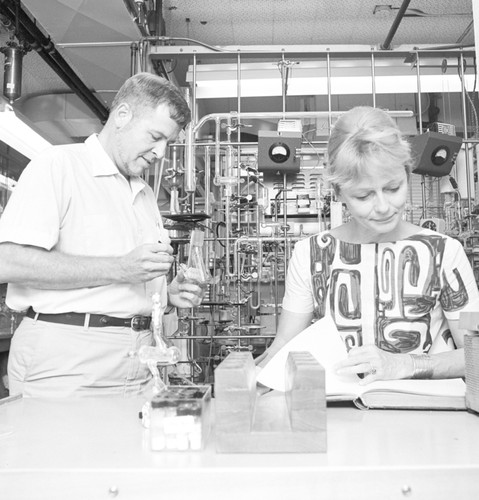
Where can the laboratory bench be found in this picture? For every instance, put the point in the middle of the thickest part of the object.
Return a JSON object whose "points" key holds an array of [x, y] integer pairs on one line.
{"points": [[97, 448]]}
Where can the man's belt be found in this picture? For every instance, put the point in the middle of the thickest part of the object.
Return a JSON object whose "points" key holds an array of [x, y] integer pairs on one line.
{"points": [[136, 323]]}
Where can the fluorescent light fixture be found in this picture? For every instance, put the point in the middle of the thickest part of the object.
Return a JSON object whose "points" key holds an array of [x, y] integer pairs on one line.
{"points": [[7, 183], [310, 78], [15, 132]]}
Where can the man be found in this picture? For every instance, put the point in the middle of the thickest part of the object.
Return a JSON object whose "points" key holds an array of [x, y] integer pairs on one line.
{"points": [[83, 249]]}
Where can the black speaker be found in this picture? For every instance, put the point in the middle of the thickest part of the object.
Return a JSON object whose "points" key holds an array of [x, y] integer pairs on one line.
{"points": [[434, 153], [277, 151]]}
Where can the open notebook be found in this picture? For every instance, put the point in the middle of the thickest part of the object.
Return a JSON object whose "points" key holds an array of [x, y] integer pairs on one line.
{"points": [[324, 342]]}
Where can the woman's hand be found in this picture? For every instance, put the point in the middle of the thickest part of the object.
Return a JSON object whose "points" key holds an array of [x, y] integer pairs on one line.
{"points": [[375, 364]]}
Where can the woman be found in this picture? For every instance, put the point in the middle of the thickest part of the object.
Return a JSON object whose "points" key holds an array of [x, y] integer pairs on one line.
{"points": [[394, 290]]}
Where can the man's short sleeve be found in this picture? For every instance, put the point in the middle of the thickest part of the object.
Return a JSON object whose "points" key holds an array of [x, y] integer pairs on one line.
{"points": [[33, 213]]}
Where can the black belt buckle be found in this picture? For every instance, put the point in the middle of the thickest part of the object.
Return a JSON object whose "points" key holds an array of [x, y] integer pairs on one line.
{"points": [[139, 323]]}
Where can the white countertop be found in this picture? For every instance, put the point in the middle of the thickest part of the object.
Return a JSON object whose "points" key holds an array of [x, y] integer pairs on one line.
{"points": [[97, 448]]}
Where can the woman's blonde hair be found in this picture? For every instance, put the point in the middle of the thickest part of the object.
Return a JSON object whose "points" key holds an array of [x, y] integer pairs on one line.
{"points": [[361, 137]]}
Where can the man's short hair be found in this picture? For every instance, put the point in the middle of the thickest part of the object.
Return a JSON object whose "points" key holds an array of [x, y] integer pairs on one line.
{"points": [[147, 90]]}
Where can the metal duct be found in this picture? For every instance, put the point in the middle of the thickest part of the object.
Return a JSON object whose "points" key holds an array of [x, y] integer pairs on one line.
{"points": [[29, 31], [64, 118]]}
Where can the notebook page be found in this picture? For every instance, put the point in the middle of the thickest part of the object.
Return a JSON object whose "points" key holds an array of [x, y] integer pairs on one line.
{"points": [[323, 341]]}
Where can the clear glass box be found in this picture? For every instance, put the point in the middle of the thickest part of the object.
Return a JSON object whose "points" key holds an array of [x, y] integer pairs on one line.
{"points": [[180, 418]]}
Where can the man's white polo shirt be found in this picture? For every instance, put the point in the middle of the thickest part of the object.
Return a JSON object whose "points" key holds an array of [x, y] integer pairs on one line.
{"points": [[74, 199]]}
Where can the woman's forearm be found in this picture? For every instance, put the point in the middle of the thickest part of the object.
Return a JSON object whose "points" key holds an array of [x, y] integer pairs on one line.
{"points": [[447, 364], [290, 325]]}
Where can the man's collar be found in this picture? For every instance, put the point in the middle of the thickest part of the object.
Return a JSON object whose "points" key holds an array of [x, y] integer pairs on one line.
{"points": [[102, 164]]}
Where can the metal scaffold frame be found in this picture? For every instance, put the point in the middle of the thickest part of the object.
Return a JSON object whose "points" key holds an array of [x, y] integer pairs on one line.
{"points": [[251, 223]]}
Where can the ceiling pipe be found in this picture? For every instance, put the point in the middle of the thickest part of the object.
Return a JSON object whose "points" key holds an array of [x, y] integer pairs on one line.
{"points": [[29, 32], [160, 26], [148, 16], [392, 31], [151, 24], [138, 12], [466, 32]]}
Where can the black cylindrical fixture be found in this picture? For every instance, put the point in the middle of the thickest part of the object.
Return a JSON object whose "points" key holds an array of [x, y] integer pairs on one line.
{"points": [[12, 73]]}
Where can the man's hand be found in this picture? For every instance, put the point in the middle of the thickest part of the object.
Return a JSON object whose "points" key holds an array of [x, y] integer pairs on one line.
{"points": [[185, 293], [146, 262]]}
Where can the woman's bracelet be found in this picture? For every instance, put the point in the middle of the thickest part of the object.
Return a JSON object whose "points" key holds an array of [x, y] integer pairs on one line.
{"points": [[422, 365]]}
